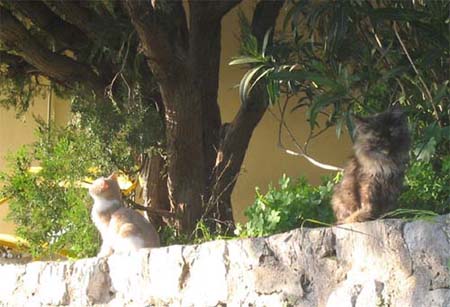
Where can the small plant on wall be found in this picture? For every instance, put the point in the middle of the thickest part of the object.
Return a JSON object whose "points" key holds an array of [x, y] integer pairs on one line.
{"points": [[292, 204]]}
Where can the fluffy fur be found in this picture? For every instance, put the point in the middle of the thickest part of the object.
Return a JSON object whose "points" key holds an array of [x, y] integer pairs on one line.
{"points": [[122, 229], [373, 177]]}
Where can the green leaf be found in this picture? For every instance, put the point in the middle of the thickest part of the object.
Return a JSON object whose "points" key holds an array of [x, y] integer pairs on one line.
{"points": [[245, 60], [425, 152], [350, 125], [273, 89], [394, 72], [265, 42], [305, 75], [441, 92], [339, 124], [432, 131], [400, 14], [319, 103], [266, 72], [292, 15], [246, 82], [445, 133]]}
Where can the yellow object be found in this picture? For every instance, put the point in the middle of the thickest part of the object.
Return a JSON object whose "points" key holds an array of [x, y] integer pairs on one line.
{"points": [[16, 243], [35, 169], [12, 241], [3, 200], [94, 170], [126, 185]]}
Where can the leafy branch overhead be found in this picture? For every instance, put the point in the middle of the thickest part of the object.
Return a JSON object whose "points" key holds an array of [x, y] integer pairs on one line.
{"points": [[360, 57]]}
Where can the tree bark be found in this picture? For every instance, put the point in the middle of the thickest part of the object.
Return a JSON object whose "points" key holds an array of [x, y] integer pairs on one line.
{"points": [[201, 170], [174, 59], [155, 192], [204, 54], [184, 150]]}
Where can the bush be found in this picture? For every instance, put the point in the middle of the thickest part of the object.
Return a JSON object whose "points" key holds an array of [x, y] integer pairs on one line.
{"points": [[49, 207], [427, 186], [289, 206]]}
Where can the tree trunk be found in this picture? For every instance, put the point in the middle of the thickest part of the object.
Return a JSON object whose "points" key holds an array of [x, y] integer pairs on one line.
{"points": [[204, 52], [202, 168], [184, 150], [235, 139], [154, 185]]}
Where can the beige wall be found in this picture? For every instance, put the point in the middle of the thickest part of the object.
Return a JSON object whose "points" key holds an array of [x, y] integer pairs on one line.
{"points": [[264, 162]]}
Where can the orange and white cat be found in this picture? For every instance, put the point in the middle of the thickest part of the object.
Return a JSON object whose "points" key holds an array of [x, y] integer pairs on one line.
{"points": [[122, 229]]}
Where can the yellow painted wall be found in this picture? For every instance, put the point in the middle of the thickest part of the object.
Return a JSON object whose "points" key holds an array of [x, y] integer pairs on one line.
{"points": [[264, 162]]}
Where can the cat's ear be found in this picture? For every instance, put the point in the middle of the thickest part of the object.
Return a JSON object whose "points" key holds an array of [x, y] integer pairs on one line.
{"points": [[397, 112], [359, 121], [113, 176], [104, 185]]}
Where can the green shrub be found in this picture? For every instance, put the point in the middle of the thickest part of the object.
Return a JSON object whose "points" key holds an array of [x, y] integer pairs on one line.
{"points": [[49, 207], [289, 206], [428, 186]]}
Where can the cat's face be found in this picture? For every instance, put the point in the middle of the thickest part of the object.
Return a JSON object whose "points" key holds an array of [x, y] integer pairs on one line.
{"points": [[384, 133], [106, 188]]}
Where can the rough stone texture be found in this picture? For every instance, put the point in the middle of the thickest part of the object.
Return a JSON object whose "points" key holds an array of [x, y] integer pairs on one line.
{"points": [[380, 263]]}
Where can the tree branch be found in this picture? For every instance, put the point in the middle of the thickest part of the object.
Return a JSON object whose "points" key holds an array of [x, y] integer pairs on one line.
{"points": [[62, 32], [302, 152], [95, 27], [163, 34], [424, 85], [10, 59], [212, 9], [66, 70], [264, 17], [16, 65], [224, 6], [238, 133]]}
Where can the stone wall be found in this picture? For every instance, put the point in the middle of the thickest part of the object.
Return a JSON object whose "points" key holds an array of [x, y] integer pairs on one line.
{"points": [[380, 263]]}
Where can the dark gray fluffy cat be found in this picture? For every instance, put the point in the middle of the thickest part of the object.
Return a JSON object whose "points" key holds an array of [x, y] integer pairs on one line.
{"points": [[373, 177]]}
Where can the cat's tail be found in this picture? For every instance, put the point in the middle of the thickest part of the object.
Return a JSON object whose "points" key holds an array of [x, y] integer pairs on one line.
{"points": [[360, 215]]}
